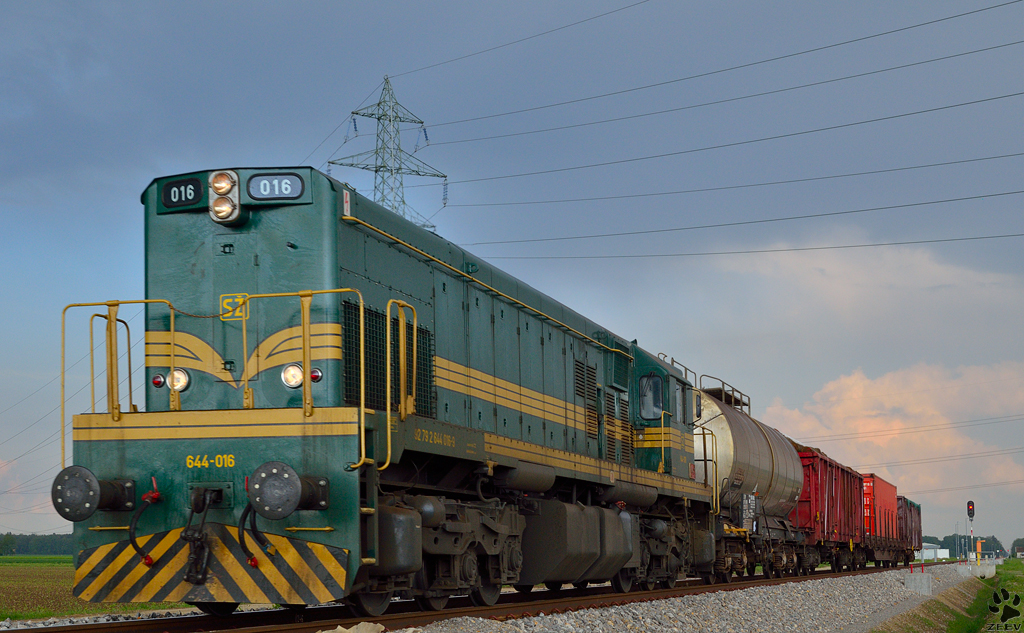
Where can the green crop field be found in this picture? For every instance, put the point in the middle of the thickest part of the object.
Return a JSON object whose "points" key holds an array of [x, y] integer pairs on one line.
{"points": [[40, 587]]}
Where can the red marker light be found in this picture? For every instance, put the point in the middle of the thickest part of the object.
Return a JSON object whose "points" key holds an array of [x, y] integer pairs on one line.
{"points": [[316, 375], [159, 381]]}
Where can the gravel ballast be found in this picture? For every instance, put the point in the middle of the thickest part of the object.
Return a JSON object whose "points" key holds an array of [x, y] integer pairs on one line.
{"points": [[850, 604]]}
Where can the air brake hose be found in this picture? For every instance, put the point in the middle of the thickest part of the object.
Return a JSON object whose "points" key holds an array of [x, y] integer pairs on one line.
{"points": [[148, 499], [249, 557]]}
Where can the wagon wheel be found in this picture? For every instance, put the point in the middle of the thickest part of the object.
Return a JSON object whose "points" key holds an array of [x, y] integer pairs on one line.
{"points": [[668, 583], [371, 604], [523, 588], [432, 603], [218, 609], [485, 595], [648, 585], [622, 582], [581, 584], [553, 586], [724, 576], [708, 578]]}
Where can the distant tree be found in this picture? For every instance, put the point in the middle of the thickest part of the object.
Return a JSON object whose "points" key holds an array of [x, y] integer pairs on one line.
{"points": [[6, 544], [1016, 543], [931, 539]]}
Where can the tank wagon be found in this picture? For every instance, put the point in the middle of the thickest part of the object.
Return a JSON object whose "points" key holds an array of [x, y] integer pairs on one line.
{"points": [[341, 406]]}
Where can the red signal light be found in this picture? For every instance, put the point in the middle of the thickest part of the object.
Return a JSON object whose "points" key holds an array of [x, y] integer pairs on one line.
{"points": [[159, 381], [970, 509]]}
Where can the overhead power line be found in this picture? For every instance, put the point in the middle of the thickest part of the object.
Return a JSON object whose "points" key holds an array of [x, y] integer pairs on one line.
{"points": [[767, 250], [721, 101], [971, 487], [946, 458], [719, 225], [921, 428], [763, 139], [521, 40], [730, 68], [740, 186]]}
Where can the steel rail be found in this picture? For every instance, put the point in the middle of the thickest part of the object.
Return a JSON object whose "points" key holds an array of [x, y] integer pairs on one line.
{"points": [[405, 614]]}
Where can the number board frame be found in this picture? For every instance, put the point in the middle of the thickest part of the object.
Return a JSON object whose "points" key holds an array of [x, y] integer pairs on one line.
{"points": [[169, 191], [274, 194]]}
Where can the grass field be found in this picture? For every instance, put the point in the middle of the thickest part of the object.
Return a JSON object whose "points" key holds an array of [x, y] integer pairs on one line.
{"points": [[33, 587]]}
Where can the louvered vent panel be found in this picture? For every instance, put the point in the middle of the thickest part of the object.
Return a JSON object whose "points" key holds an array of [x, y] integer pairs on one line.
{"points": [[611, 425], [591, 402]]}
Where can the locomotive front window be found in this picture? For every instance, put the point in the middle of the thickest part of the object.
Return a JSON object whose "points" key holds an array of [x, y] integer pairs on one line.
{"points": [[650, 397]]}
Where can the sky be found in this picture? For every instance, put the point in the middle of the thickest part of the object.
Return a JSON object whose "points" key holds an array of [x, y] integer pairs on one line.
{"points": [[819, 203]]}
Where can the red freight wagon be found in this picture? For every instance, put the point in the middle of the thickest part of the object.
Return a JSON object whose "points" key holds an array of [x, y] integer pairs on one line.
{"points": [[908, 523], [830, 503], [879, 509]]}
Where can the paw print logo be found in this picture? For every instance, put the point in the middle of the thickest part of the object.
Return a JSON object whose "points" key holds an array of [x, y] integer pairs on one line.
{"points": [[1001, 598]]}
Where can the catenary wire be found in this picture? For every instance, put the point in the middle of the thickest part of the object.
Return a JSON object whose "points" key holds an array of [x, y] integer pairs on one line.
{"points": [[718, 225], [731, 68], [971, 487], [921, 428], [763, 139], [719, 101], [770, 250], [740, 186], [521, 40], [944, 458]]}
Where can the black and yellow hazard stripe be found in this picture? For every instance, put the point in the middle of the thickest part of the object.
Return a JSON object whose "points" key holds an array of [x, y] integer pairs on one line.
{"points": [[298, 572]]}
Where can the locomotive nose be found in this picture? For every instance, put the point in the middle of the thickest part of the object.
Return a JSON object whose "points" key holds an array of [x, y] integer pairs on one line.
{"points": [[77, 493]]}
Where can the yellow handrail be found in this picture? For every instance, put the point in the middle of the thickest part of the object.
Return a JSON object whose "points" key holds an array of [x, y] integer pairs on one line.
{"points": [[405, 407], [305, 299], [716, 505], [92, 364], [661, 466], [112, 395]]}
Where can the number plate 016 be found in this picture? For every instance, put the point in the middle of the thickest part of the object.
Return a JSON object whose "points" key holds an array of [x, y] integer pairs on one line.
{"points": [[275, 187], [182, 193]]}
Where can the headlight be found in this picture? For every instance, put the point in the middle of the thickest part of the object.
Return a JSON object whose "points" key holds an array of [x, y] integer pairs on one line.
{"points": [[291, 376], [221, 183], [223, 208], [179, 380]]}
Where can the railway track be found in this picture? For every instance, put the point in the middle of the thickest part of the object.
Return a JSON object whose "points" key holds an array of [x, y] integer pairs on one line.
{"points": [[404, 614]]}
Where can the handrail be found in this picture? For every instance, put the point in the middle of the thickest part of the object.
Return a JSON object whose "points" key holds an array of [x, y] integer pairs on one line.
{"points": [[661, 466], [352, 218], [113, 401], [305, 300], [92, 364], [735, 394], [716, 503], [404, 406]]}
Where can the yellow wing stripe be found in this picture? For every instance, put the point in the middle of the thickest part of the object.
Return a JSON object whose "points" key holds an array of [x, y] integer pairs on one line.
{"points": [[280, 348]]}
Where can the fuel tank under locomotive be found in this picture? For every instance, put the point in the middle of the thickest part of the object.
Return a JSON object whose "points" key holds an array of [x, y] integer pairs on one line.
{"points": [[751, 458]]}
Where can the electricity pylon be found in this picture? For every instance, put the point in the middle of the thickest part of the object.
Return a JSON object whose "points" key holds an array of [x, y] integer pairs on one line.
{"points": [[388, 162]]}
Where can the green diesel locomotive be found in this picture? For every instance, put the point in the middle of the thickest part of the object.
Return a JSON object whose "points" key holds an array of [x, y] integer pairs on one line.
{"points": [[342, 406]]}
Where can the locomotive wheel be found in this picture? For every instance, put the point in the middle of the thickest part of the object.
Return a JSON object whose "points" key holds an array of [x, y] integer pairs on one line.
{"points": [[553, 586], [835, 567], [218, 609], [485, 595], [724, 577], [433, 603], [668, 583], [708, 578], [523, 588], [648, 585], [751, 568], [371, 604], [622, 582]]}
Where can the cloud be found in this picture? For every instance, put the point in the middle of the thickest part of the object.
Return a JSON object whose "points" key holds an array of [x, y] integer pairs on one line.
{"points": [[870, 423]]}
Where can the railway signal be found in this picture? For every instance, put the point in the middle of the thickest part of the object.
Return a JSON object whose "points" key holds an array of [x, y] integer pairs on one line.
{"points": [[970, 510]]}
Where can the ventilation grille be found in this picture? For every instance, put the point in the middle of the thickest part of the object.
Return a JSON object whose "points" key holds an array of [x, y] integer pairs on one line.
{"points": [[586, 390], [618, 430], [376, 359]]}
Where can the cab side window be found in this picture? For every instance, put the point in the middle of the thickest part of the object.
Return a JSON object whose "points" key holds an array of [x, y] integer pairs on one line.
{"points": [[651, 397]]}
